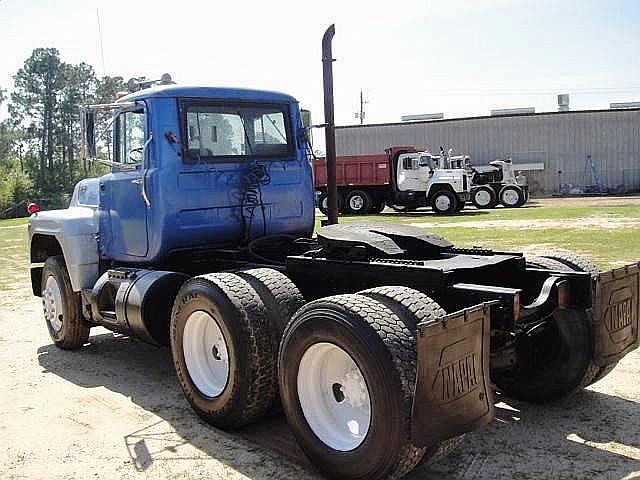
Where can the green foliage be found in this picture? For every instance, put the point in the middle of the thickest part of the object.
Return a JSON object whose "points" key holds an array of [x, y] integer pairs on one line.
{"points": [[40, 141]]}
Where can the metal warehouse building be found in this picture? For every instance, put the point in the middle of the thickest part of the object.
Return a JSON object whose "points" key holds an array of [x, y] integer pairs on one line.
{"points": [[551, 147]]}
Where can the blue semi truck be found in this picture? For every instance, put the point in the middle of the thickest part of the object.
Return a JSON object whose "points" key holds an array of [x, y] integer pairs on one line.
{"points": [[382, 343]]}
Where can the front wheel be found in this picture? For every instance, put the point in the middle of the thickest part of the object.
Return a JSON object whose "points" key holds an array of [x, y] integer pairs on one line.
{"points": [[444, 202], [62, 306]]}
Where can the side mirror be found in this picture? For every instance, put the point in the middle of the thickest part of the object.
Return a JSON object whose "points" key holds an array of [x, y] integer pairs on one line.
{"points": [[87, 124], [307, 124]]}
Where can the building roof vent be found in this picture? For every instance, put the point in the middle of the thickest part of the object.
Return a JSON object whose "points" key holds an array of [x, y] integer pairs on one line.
{"points": [[623, 105], [512, 111], [422, 116], [563, 102]]}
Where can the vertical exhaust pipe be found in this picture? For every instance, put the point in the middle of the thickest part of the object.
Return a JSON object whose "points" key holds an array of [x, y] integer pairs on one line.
{"points": [[330, 127]]}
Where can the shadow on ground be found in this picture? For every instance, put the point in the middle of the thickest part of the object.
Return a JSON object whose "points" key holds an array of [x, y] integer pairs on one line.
{"points": [[525, 441]]}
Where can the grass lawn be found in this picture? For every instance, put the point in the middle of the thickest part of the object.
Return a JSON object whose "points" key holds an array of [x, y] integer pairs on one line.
{"points": [[608, 234]]}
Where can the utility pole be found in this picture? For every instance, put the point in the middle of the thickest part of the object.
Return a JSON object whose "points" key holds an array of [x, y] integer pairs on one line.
{"points": [[361, 114]]}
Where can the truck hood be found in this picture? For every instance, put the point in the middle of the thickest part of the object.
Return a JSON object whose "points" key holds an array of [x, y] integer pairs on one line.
{"points": [[70, 221]]}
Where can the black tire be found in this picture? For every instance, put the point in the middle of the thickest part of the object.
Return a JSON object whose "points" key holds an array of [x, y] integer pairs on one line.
{"points": [[444, 202], [242, 318], [575, 262], [358, 202], [323, 203], [581, 264], [381, 346], [555, 359], [73, 331], [413, 307], [484, 197], [281, 299], [511, 196], [378, 205], [402, 208]]}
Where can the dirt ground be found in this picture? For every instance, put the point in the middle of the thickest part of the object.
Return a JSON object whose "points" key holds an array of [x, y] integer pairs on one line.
{"points": [[114, 410]]}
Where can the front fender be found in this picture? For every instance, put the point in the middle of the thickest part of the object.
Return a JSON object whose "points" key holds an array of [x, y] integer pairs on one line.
{"points": [[75, 231]]}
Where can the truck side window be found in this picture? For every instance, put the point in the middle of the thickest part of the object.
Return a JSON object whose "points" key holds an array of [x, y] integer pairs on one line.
{"points": [[130, 136], [409, 163]]}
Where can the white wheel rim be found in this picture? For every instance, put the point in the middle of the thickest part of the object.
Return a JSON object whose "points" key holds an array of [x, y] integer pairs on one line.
{"points": [[325, 203], [510, 197], [483, 197], [443, 202], [52, 304], [334, 396], [205, 353], [356, 202]]}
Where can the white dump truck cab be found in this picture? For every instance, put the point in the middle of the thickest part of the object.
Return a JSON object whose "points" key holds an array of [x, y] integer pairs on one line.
{"points": [[445, 189]]}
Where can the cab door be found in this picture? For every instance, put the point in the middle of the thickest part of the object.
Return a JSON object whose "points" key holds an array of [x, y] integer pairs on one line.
{"points": [[127, 207], [409, 174]]}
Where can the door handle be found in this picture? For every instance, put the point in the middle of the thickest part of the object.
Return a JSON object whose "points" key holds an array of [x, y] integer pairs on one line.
{"points": [[137, 181]]}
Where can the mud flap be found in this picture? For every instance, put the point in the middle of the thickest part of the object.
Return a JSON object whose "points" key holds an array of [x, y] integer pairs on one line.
{"points": [[453, 392], [616, 313]]}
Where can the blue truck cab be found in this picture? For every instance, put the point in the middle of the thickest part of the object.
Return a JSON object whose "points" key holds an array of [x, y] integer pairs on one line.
{"points": [[203, 167]]}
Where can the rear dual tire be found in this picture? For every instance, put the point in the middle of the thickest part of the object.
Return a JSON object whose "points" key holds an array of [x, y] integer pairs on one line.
{"points": [[224, 335], [356, 423], [511, 196], [555, 360], [484, 197]]}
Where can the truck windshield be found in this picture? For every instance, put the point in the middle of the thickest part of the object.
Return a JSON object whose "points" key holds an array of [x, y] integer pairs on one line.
{"points": [[237, 131]]}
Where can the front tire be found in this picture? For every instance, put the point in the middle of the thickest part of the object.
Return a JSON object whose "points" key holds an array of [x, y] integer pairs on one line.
{"points": [[222, 350], [444, 202], [62, 306], [344, 376]]}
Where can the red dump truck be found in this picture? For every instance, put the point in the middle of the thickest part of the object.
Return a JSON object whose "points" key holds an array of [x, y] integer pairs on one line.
{"points": [[404, 178]]}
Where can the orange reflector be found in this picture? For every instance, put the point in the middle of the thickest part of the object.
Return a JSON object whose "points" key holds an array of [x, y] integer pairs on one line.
{"points": [[516, 307]]}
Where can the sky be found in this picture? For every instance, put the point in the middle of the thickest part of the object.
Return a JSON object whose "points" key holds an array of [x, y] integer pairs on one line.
{"points": [[458, 57]]}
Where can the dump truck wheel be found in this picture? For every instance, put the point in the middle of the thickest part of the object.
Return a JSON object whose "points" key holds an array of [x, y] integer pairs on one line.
{"points": [[554, 359], [345, 372], [62, 306], [444, 202], [484, 197], [323, 203], [222, 349], [379, 205], [402, 208], [511, 196], [581, 264], [413, 307], [358, 202]]}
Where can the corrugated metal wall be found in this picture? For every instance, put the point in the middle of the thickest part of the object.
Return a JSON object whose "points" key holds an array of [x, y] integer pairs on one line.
{"points": [[559, 140]]}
